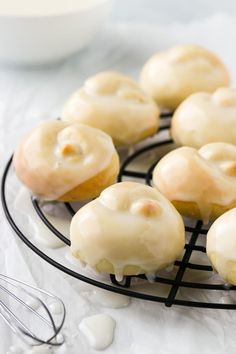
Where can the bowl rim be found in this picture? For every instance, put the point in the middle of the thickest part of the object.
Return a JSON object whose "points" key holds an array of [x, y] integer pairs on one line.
{"points": [[93, 5]]}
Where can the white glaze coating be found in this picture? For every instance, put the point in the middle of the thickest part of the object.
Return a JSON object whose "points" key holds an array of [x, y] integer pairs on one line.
{"points": [[206, 176], [55, 308], [172, 75], [43, 349], [221, 237], [205, 118], [115, 104], [98, 330], [129, 225], [60, 338], [74, 260], [41, 234], [151, 276], [56, 157], [221, 246]]}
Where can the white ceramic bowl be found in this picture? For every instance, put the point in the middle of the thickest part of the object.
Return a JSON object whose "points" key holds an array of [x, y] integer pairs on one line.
{"points": [[37, 36]]}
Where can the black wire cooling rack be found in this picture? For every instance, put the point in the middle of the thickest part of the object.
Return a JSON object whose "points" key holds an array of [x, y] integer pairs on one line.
{"points": [[175, 284]]}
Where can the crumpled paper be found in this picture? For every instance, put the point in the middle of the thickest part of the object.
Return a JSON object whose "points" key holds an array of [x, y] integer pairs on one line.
{"points": [[30, 95]]}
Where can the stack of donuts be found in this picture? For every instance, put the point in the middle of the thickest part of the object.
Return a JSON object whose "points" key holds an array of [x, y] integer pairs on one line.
{"points": [[129, 228]]}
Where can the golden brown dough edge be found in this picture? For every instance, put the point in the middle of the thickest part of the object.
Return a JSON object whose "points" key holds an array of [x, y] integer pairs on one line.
{"points": [[89, 189], [104, 266], [93, 187], [191, 209]]}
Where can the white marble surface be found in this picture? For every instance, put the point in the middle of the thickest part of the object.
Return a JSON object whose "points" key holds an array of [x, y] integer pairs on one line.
{"points": [[28, 95]]}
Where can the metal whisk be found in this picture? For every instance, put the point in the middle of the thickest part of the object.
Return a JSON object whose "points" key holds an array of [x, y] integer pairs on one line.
{"points": [[26, 309]]}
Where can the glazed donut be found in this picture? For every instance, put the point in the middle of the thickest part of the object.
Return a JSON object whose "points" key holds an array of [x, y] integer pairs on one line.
{"points": [[130, 229], [206, 118], [200, 183], [58, 161], [221, 246], [172, 75], [114, 103]]}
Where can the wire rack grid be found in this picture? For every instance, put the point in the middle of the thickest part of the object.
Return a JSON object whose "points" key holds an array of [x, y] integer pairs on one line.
{"points": [[125, 286]]}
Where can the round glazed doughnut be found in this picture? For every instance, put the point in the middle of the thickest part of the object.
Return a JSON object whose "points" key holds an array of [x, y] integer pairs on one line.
{"points": [[58, 161], [221, 246], [200, 183], [205, 118], [130, 229], [115, 104], [172, 75]]}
